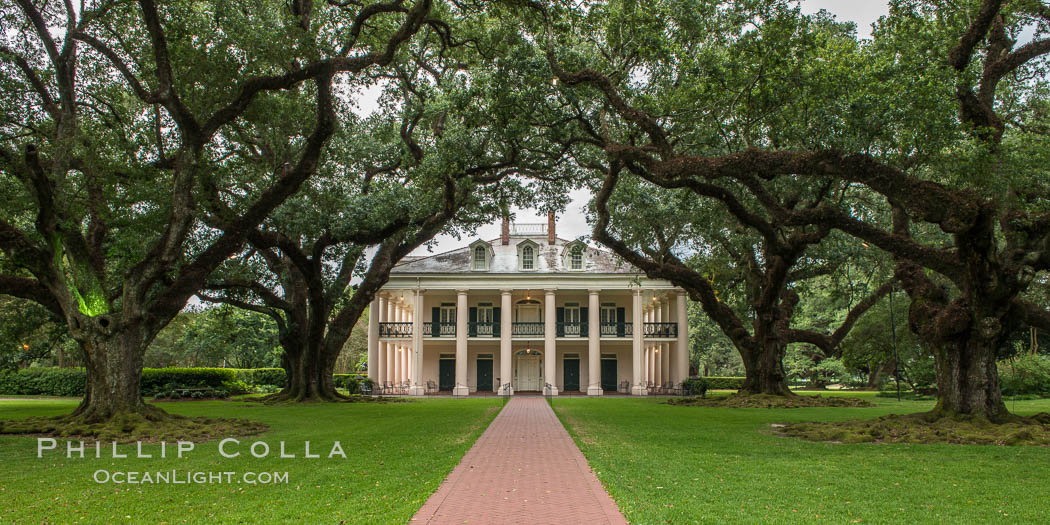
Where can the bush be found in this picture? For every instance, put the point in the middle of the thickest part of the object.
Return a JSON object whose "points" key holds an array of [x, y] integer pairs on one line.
{"points": [[156, 379], [366, 386], [694, 386], [1028, 375], [351, 382], [263, 376], [724, 383], [43, 381], [235, 387]]}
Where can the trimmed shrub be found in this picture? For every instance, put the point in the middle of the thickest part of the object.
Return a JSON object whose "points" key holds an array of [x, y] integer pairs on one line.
{"points": [[1029, 374], [351, 382], [43, 381], [694, 386], [724, 383], [236, 387], [263, 376], [155, 379]]}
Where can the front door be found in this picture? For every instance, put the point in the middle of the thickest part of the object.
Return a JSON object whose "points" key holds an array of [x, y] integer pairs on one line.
{"points": [[609, 374], [572, 375], [446, 374], [527, 372], [484, 375]]}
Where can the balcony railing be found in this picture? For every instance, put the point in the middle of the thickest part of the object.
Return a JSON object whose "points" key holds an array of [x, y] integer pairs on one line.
{"points": [[439, 329], [617, 330], [526, 329], [571, 329], [483, 329], [660, 330], [395, 329]]}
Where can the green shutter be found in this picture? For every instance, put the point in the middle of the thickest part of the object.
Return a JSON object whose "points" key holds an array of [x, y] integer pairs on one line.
{"points": [[473, 320], [496, 320], [435, 321], [584, 319], [621, 320], [560, 318]]}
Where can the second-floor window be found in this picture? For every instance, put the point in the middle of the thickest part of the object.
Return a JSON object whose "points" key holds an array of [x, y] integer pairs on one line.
{"points": [[479, 258], [527, 258]]}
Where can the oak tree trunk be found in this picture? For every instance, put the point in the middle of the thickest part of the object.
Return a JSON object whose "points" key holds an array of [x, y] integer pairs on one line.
{"points": [[968, 381], [113, 361], [309, 370], [764, 370]]}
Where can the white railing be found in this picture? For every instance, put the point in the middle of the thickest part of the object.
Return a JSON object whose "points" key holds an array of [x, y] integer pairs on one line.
{"points": [[533, 228]]}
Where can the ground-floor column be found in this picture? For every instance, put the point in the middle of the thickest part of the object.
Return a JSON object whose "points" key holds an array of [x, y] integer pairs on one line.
{"points": [[680, 370], [660, 313], [637, 348], [505, 366], [419, 387], [391, 353], [379, 373], [373, 339], [594, 356], [461, 388], [665, 363], [550, 351]]}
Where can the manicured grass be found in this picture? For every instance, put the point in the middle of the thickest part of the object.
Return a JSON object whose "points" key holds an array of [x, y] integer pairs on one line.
{"points": [[397, 455], [674, 464]]}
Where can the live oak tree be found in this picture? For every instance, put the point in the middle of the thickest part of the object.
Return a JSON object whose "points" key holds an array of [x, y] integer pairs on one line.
{"points": [[119, 120], [443, 157], [671, 84], [948, 129]]}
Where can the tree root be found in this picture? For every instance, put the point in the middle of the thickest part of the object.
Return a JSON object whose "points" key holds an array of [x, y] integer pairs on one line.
{"points": [[927, 427], [770, 401], [151, 424]]}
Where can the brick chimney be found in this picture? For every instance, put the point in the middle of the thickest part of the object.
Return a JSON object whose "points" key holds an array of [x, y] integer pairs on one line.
{"points": [[504, 237], [550, 228]]}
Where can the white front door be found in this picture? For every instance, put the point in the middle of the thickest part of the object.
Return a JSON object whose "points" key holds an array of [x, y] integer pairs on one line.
{"points": [[527, 372]]}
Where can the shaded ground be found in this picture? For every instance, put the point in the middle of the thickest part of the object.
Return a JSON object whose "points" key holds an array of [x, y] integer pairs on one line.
{"points": [[769, 401], [916, 428]]}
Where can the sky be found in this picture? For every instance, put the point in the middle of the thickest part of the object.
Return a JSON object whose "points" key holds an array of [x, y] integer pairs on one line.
{"points": [[572, 223]]}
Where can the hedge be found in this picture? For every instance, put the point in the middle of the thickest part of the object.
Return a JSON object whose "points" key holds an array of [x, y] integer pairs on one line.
{"points": [[43, 381], [725, 383], [70, 381], [262, 376]]}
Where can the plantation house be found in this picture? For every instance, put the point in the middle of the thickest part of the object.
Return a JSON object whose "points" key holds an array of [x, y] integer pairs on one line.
{"points": [[528, 312]]}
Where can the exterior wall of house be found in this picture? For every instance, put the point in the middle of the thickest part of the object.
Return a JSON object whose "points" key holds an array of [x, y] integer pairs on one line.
{"points": [[646, 352]]}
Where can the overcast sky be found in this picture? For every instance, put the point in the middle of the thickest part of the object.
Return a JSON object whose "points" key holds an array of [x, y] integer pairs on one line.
{"points": [[572, 223]]}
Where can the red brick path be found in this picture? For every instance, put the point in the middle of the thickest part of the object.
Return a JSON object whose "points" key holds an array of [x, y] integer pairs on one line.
{"points": [[523, 469]]}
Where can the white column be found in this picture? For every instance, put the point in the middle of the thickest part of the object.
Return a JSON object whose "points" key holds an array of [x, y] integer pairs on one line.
{"points": [[680, 370], [550, 351], [505, 319], [659, 358], [637, 350], [594, 356], [391, 348], [399, 355], [379, 373], [461, 388], [374, 338], [419, 386]]}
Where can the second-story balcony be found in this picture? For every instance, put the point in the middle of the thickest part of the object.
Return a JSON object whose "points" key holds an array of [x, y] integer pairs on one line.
{"points": [[395, 329], [531, 329], [660, 330]]}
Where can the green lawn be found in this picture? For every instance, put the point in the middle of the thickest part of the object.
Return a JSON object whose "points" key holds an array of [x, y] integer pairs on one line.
{"points": [[398, 453], [667, 464]]}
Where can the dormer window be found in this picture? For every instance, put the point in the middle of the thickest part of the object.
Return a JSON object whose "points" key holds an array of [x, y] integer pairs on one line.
{"points": [[480, 255], [528, 258], [576, 258]]}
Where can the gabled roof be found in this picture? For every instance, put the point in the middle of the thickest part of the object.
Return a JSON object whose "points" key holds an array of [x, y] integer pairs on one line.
{"points": [[505, 260]]}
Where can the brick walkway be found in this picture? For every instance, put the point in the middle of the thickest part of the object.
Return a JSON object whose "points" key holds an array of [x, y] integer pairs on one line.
{"points": [[523, 469]]}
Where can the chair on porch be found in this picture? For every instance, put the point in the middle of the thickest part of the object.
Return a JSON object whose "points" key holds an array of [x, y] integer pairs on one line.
{"points": [[624, 388], [432, 387], [403, 388], [388, 388], [650, 387], [667, 388]]}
